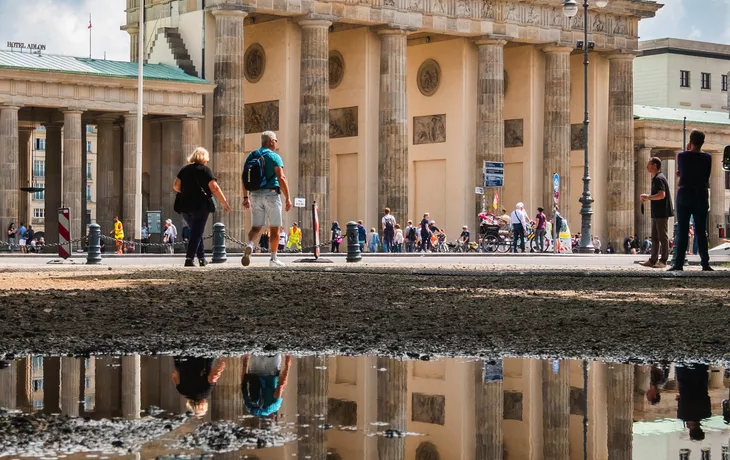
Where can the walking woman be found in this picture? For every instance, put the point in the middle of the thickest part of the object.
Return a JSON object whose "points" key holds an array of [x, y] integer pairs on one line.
{"points": [[196, 186], [336, 236], [11, 236]]}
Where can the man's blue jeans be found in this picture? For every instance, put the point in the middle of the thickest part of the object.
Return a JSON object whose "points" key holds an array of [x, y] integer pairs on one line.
{"points": [[692, 203]]}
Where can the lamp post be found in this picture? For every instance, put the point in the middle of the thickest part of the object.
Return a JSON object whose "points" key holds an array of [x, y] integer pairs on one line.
{"points": [[570, 9]]}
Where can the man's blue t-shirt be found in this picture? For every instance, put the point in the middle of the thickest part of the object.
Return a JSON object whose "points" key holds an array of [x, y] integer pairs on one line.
{"points": [[272, 160], [22, 231]]}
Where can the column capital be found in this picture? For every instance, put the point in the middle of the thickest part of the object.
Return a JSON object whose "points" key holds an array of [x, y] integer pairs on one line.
{"points": [[498, 40], [390, 30], [53, 125], [229, 10], [315, 20], [132, 30], [621, 55], [14, 107], [557, 48], [107, 119], [72, 111]]}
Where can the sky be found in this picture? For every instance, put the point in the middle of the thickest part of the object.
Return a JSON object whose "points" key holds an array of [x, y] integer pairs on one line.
{"points": [[62, 24]]}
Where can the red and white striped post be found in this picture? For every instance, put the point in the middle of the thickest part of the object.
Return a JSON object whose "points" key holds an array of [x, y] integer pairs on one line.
{"points": [[64, 233], [315, 228]]}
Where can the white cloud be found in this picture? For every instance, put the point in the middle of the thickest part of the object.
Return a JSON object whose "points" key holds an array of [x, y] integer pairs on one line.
{"points": [[62, 25]]}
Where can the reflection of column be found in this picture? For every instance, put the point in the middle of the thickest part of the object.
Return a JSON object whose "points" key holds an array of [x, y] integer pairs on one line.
{"points": [[490, 115], [717, 199], [392, 404], [642, 178], [150, 368], [51, 385], [312, 392], [72, 170], [228, 114], [108, 386], [105, 174], [489, 405], [227, 399], [131, 210], [642, 381], [170, 399], [53, 182], [620, 411], [393, 127], [9, 193], [556, 409], [70, 386], [620, 215], [23, 389], [8, 386], [24, 175], [556, 145], [172, 159], [314, 157], [131, 387]]}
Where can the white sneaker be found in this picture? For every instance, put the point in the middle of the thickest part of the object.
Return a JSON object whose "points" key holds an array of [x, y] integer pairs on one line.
{"points": [[246, 259], [276, 263]]}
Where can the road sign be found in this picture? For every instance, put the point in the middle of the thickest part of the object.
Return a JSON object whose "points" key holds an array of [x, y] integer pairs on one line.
{"points": [[556, 182], [300, 202], [493, 173], [493, 164], [479, 190], [494, 182], [64, 233]]}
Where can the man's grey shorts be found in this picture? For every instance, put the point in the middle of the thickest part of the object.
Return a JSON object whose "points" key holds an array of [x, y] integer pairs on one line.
{"points": [[266, 208]]}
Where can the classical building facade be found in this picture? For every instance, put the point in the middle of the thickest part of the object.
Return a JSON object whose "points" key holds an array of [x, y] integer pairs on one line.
{"points": [[399, 102]]}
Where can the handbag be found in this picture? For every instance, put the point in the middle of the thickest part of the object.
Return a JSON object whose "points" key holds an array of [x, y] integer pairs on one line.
{"points": [[212, 206]]}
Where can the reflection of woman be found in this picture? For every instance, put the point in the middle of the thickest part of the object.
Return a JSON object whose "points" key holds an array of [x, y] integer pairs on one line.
{"points": [[263, 381], [195, 378]]}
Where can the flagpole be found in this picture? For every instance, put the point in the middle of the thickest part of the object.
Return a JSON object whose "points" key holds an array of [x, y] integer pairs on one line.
{"points": [[89, 35], [140, 114]]}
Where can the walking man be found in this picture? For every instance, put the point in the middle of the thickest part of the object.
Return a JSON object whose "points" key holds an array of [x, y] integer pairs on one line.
{"points": [[425, 233], [388, 222], [520, 222], [362, 235], [118, 234], [661, 211], [411, 237], [264, 199], [694, 167], [145, 237]]}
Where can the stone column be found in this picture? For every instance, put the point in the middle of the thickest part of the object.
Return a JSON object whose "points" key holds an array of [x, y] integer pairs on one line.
{"points": [[72, 170], [393, 125], [620, 411], [227, 400], [392, 405], [190, 136], [312, 392], [24, 175], [490, 117], [228, 115], [53, 181], [172, 158], [620, 219], [117, 148], [556, 409], [70, 386], [155, 155], [105, 175], [131, 387], [9, 193], [133, 43], [642, 179], [556, 143], [8, 386], [131, 212], [108, 386], [51, 384], [489, 405], [718, 206], [314, 157], [84, 179]]}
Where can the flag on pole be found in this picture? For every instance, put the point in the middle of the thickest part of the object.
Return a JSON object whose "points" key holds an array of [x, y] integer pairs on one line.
{"points": [[89, 22], [496, 200]]}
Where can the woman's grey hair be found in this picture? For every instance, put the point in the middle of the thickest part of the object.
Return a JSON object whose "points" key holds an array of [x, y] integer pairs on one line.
{"points": [[199, 156]]}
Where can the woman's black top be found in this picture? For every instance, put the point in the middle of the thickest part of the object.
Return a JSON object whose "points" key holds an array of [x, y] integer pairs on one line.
{"points": [[193, 178], [194, 374]]}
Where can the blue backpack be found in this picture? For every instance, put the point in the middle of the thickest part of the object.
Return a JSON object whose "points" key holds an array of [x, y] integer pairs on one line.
{"points": [[254, 171]]}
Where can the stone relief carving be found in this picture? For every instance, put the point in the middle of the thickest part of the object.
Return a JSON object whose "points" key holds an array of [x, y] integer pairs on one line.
{"points": [[343, 122], [533, 15], [620, 28], [429, 77], [599, 23], [558, 18], [429, 129], [428, 408], [577, 137], [427, 451], [261, 116], [463, 8], [414, 5], [388, 2], [438, 6], [488, 10], [254, 63], [577, 22], [336, 69], [513, 133], [512, 405], [513, 12]]}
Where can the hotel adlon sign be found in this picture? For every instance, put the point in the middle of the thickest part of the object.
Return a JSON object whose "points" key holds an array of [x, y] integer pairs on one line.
{"points": [[26, 46]]}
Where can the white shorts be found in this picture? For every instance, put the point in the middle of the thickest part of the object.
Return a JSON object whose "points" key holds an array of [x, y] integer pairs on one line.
{"points": [[265, 365], [266, 208], [21, 242]]}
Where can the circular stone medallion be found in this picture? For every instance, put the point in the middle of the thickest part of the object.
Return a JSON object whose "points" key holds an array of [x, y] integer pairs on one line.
{"points": [[429, 77], [336, 69], [254, 63]]}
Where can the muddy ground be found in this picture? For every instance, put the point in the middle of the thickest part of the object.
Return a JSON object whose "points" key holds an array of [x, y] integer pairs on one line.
{"points": [[105, 310]]}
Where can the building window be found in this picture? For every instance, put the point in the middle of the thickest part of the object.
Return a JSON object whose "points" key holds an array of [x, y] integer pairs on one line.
{"points": [[88, 171], [684, 78], [39, 213], [39, 168], [88, 193], [724, 82], [88, 403], [37, 384], [88, 147], [40, 144], [87, 382], [37, 362], [727, 180], [706, 80], [37, 404], [39, 196]]}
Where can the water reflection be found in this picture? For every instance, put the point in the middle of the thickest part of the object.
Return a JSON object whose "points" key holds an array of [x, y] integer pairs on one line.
{"points": [[336, 407]]}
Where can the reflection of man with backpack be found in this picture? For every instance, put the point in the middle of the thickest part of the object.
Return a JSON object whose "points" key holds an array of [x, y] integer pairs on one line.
{"points": [[263, 182], [388, 223]]}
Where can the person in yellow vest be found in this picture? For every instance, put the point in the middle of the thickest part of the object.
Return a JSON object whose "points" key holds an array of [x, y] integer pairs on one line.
{"points": [[118, 234], [295, 237]]}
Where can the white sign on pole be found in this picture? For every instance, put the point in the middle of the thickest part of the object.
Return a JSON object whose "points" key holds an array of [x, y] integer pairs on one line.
{"points": [[479, 190], [300, 202]]}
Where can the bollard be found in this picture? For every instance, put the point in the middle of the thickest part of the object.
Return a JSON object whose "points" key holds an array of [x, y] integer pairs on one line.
{"points": [[684, 454], [705, 452], [93, 255], [725, 453], [353, 243], [219, 243], [674, 249]]}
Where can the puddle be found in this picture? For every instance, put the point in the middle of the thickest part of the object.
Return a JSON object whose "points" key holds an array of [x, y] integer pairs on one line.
{"points": [[339, 407]]}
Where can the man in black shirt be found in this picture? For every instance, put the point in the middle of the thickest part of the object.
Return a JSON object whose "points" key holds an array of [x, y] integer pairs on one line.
{"points": [[661, 211], [694, 167]]}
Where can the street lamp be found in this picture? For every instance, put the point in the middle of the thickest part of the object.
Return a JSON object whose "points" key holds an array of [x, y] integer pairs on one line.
{"points": [[570, 9]]}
